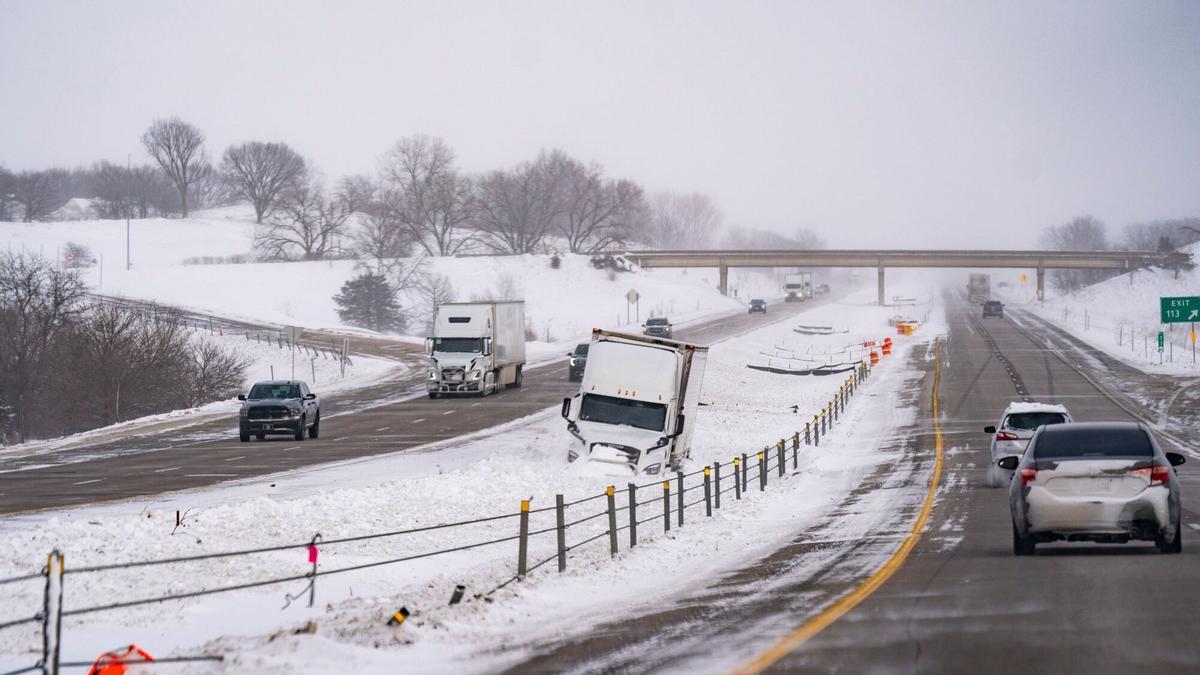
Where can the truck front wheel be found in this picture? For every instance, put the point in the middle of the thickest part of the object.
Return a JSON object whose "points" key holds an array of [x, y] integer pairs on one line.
{"points": [[315, 431], [433, 394], [300, 429]]}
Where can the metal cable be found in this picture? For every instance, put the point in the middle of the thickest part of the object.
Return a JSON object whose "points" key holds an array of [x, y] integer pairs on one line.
{"points": [[24, 577], [18, 622]]}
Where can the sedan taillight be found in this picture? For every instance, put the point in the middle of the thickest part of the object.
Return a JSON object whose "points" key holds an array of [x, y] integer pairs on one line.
{"points": [[1005, 436], [1158, 474], [1028, 476]]}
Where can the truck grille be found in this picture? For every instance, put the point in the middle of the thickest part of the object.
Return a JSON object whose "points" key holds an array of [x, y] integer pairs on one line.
{"points": [[268, 412], [454, 374]]}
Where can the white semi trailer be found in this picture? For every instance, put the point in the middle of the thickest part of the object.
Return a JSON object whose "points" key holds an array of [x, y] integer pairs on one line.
{"points": [[476, 348], [797, 286], [636, 407]]}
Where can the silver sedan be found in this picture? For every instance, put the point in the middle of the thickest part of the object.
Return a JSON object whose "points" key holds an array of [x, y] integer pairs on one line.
{"points": [[1106, 482]]}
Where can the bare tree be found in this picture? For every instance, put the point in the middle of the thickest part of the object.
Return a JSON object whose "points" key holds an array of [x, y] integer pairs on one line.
{"points": [[683, 221], [434, 290], [259, 173], [379, 238], [358, 193], [736, 237], [215, 373], [36, 302], [597, 212], [39, 193], [305, 225], [1081, 234], [178, 147], [517, 208], [426, 195], [7, 198]]}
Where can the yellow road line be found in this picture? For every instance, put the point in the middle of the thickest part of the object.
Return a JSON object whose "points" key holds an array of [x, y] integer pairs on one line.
{"points": [[848, 602]]}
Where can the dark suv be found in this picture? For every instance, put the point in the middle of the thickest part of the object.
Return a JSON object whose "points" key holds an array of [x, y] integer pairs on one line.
{"points": [[578, 360], [279, 407], [658, 326], [758, 305], [993, 308]]}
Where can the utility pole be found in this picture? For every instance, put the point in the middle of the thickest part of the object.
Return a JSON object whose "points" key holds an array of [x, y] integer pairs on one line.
{"points": [[128, 179]]}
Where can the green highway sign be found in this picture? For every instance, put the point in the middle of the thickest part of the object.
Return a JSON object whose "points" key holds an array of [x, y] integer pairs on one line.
{"points": [[1180, 310], [1160, 341]]}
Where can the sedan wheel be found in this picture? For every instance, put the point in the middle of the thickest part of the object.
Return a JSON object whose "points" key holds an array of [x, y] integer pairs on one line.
{"points": [[1173, 546], [1022, 545]]}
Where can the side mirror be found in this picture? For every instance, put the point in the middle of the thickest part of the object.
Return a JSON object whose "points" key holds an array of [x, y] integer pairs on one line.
{"points": [[241, 397], [487, 346], [429, 346], [678, 424], [310, 397], [1008, 463], [1175, 458], [989, 429], [566, 408]]}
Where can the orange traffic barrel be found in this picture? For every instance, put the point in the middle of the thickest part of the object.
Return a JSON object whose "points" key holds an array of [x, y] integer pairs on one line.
{"points": [[874, 357]]}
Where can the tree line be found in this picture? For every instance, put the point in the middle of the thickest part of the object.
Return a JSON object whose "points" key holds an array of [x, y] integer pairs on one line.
{"points": [[1087, 233], [68, 365], [418, 200]]}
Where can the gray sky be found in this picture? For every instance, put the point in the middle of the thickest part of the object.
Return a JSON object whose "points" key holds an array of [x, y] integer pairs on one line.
{"points": [[877, 124]]}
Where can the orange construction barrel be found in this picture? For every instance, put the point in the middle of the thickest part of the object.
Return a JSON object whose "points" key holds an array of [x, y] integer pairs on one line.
{"points": [[874, 357]]}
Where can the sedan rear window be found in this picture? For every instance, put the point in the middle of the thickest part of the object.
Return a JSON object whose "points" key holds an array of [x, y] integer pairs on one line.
{"points": [[1032, 420], [1069, 442]]}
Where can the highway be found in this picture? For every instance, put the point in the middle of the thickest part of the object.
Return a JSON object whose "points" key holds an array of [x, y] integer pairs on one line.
{"points": [[388, 417], [951, 598]]}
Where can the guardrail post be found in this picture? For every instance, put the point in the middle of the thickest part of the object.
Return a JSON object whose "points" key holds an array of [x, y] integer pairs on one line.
{"points": [[717, 481], [796, 450], [762, 472], [523, 541], [807, 435], [782, 458], [737, 478], [745, 472], [833, 407], [632, 515], [707, 494], [612, 520], [679, 496], [666, 506], [560, 526], [822, 421]]}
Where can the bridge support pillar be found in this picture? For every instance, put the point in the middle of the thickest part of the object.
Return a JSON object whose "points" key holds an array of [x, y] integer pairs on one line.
{"points": [[1041, 284], [724, 284], [881, 285]]}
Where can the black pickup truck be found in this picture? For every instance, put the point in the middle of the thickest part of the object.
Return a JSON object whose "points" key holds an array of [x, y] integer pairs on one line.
{"points": [[279, 407]]}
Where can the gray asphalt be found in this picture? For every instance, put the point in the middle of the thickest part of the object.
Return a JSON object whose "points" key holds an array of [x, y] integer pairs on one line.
{"points": [[962, 602], [138, 465]]}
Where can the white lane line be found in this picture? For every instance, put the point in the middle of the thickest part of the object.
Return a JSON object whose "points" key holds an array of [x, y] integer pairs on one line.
{"points": [[448, 412], [294, 447], [209, 475], [418, 421], [383, 428], [474, 404], [234, 459], [173, 468], [85, 482], [340, 439]]}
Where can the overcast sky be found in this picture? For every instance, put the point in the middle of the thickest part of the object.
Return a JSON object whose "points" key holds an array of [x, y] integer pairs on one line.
{"points": [[877, 124]]}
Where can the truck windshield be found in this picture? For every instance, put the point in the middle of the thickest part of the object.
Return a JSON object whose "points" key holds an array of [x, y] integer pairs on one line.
{"points": [[457, 344], [261, 391], [612, 410], [656, 322]]}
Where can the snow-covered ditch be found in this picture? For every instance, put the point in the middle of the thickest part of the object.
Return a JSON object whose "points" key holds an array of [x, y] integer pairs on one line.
{"points": [[487, 475]]}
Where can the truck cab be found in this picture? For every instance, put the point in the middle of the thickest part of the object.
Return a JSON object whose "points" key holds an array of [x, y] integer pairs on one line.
{"points": [[636, 406]]}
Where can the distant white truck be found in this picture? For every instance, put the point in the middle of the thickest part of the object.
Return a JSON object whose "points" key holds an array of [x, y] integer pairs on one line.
{"points": [[797, 286], [636, 406], [476, 348]]}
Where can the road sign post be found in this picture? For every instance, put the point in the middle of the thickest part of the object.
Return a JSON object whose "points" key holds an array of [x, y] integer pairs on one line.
{"points": [[632, 298], [293, 336], [1180, 309]]}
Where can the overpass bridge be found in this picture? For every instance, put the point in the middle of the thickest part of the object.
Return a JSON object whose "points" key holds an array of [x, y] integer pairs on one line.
{"points": [[881, 260]]}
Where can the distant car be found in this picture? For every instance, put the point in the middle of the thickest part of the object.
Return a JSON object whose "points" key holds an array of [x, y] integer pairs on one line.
{"points": [[279, 407], [578, 361], [1105, 482], [1002, 284], [758, 305], [1017, 425], [993, 308], [822, 289], [658, 326]]}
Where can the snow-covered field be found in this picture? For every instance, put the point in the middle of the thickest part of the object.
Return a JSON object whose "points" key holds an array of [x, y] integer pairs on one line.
{"points": [[1120, 316], [488, 475]]}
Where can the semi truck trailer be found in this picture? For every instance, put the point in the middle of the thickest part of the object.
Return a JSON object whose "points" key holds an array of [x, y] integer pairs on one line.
{"points": [[979, 288], [636, 407], [476, 348]]}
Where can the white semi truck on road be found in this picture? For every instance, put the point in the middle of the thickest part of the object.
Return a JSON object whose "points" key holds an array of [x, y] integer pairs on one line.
{"points": [[797, 286], [636, 407], [476, 348]]}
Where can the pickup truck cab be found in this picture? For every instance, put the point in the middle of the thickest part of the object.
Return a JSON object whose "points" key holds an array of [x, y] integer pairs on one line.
{"points": [[279, 407], [758, 305]]}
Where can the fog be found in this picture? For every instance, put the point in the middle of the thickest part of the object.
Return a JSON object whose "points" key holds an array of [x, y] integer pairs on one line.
{"points": [[874, 124]]}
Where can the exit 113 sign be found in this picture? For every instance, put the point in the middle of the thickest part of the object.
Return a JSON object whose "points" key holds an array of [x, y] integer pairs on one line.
{"points": [[1180, 310]]}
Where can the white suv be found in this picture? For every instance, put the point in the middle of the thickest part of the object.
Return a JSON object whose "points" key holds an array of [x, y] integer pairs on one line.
{"points": [[1016, 427]]}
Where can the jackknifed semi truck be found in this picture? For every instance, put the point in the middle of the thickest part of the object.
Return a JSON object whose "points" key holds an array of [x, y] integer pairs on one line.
{"points": [[797, 287], [636, 407], [476, 348]]}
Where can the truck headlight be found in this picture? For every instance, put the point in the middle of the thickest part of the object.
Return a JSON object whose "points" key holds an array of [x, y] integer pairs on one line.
{"points": [[432, 375], [574, 361], [475, 374], [294, 412]]}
